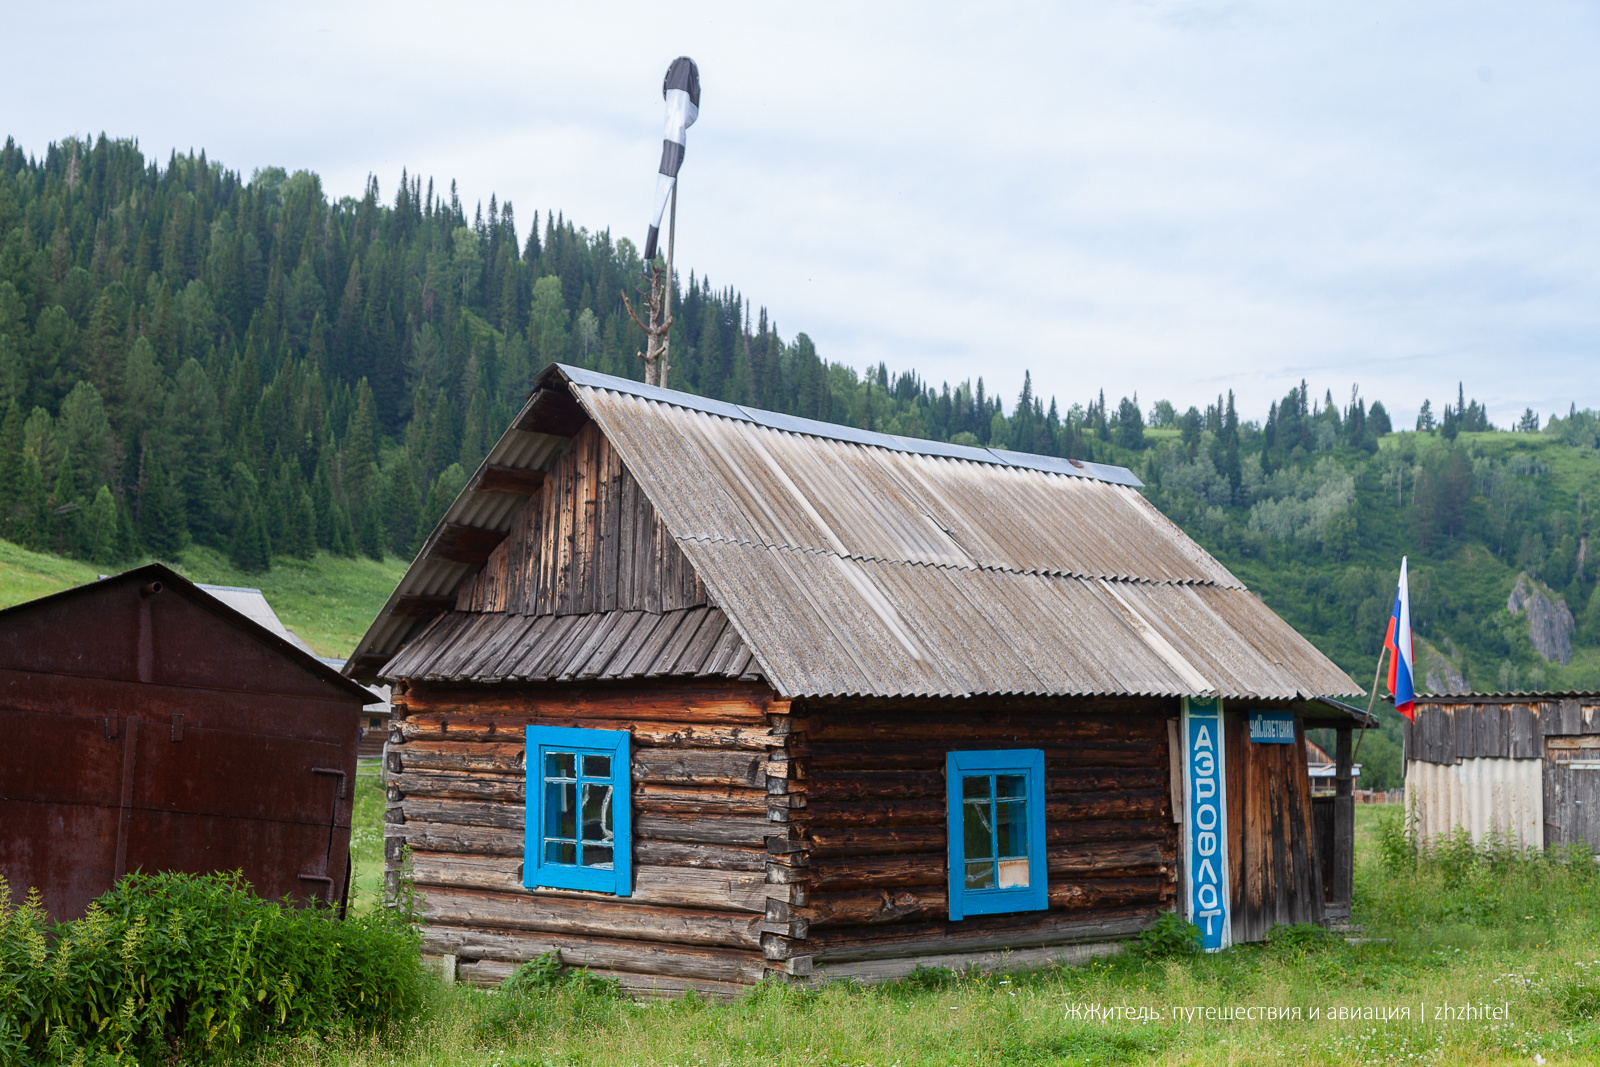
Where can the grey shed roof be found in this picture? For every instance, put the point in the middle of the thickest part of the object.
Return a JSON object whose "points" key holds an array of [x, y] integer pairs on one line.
{"points": [[853, 563]]}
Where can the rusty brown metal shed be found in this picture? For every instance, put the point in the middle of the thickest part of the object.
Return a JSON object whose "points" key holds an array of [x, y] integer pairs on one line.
{"points": [[145, 725], [794, 626]]}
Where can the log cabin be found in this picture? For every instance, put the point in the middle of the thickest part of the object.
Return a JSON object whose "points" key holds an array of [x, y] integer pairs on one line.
{"points": [[696, 695]]}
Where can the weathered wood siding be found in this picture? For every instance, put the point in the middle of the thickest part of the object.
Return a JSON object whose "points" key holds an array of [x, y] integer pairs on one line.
{"points": [[588, 541], [1447, 729], [710, 827], [1273, 868], [872, 831]]}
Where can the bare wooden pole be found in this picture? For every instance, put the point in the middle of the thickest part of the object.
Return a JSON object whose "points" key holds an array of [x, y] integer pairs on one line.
{"points": [[655, 330], [1372, 699], [666, 339]]}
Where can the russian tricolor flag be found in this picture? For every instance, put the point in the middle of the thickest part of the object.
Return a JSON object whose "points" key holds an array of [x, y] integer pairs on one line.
{"points": [[1401, 662]]}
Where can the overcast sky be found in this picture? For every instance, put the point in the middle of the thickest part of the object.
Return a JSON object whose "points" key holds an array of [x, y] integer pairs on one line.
{"points": [[1168, 198]]}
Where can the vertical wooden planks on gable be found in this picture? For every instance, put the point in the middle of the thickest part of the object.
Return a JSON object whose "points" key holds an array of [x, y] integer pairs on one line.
{"points": [[610, 508], [587, 542], [628, 497]]}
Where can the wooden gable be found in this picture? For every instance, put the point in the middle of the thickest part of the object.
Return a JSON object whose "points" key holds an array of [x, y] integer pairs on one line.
{"points": [[588, 541]]}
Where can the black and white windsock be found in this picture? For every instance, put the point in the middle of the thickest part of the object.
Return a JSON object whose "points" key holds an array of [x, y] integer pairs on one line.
{"points": [[682, 91]]}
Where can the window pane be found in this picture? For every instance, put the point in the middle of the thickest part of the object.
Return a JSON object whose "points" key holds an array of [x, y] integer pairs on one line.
{"points": [[980, 875], [1012, 785], [597, 766], [561, 810], [597, 856], [558, 765], [977, 841], [975, 787], [1013, 874], [560, 852], [596, 812], [1011, 829]]}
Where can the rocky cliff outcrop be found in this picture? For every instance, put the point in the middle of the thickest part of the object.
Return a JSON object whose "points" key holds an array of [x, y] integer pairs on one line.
{"points": [[1441, 671], [1550, 622]]}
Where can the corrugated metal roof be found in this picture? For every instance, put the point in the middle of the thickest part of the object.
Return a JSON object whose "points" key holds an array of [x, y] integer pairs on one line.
{"points": [[464, 646], [717, 479], [1519, 697], [857, 563], [252, 604], [835, 432]]}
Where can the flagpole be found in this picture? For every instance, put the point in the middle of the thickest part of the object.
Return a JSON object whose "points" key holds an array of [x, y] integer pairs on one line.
{"points": [[1371, 701]]}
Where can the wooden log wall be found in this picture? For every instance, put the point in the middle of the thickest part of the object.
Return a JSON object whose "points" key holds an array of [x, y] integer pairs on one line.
{"points": [[588, 541], [712, 832], [870, 828], [1274, 872]]}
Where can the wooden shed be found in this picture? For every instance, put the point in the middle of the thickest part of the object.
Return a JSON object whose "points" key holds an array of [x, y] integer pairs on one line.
{"points": [[148, 726], [1519, 768], [696, 694]]}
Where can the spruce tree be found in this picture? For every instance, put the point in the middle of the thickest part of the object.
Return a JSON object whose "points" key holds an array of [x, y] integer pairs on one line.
{"points": [[12, 459], [64, 521], [369, 536], [100, 528], [248, 545], [401, 508], [161, 524]]}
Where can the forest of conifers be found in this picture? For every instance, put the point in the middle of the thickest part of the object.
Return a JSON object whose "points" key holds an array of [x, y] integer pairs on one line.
{"points": [[188, 356]]}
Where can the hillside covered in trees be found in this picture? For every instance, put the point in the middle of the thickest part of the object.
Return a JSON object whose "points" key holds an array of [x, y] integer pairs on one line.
{"points": [[187, 356]]}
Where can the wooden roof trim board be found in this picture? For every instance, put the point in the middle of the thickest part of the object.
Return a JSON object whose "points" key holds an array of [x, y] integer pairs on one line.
{"points": [[1082, 585]]}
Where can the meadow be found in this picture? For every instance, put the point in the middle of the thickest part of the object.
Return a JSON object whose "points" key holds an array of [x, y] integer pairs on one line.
{"points": [[328, 600], [1468, 956]]}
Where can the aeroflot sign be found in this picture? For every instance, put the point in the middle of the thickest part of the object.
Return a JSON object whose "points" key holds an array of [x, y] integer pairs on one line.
{"points": [[1205, 840]]}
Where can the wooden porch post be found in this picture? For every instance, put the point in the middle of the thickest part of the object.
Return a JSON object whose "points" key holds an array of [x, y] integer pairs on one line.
{"points": [[1344, 826]]}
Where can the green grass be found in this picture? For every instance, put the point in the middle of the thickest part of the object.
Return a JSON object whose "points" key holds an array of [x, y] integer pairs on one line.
{"points": [[366, 839], [1462, 929], [28, 575], [328, 600]]}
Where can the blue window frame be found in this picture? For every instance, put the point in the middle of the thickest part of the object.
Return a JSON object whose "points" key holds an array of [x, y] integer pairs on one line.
{"points": [[578, 824], [996, 832]]}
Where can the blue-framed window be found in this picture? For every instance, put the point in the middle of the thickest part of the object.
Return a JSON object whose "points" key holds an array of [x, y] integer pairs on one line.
{"points": [[996, 832], [578, 825]]}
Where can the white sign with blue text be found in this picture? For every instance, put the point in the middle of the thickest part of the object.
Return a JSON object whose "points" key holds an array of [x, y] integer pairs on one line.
{"points": [[1205, 839], [1272, 727]]}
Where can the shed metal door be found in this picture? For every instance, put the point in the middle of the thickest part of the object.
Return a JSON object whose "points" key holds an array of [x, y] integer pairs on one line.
{"points": [[220, 800], [60, 777], [1572, 790], [85, 799]]}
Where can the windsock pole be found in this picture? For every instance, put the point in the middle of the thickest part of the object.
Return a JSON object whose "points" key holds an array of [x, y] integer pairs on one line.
{"points": [[666, 334], [681, 91]]}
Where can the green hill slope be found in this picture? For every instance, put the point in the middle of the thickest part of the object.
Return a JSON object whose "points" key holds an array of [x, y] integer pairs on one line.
{"points": [[327, 600], [278, 389]]}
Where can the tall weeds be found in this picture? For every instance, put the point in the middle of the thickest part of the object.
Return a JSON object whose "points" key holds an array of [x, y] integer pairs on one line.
{"points": [[1451, 879], [171, 965]]}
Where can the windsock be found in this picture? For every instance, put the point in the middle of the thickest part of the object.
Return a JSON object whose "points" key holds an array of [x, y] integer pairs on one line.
{"points": [[682, 92]]}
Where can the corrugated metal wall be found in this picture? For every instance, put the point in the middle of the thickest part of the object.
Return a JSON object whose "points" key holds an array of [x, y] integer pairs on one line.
{"points": [[1488, 797]]}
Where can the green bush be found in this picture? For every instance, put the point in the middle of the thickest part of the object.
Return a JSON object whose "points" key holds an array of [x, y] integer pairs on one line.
{"points": [[1300, 938], [1171, 937], [176, 965]]}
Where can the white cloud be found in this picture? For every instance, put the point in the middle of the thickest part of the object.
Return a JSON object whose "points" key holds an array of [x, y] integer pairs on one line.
{"points": [[1168, 198]]}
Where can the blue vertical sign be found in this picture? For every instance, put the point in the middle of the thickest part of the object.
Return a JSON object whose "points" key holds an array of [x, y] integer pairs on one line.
{"points": [[1205, 839]]}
